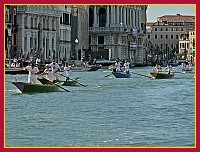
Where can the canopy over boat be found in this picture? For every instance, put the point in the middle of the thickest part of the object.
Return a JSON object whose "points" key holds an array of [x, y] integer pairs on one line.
{"points": [[161, 75], [35, 88], [121, 74]]}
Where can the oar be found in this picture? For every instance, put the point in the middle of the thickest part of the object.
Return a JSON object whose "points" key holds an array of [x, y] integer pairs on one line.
{"points": [[180, 72], [57, 85], [72, 79], [108, 75], [142, 75]]}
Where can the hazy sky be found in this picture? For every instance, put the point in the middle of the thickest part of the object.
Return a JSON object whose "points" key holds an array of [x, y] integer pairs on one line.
{"points": [[154, 11]]}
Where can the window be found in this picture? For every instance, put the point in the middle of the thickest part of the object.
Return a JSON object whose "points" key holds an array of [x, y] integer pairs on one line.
{"points": [[176, 36], [65, 19], [172, 36], [149, 36], [166, 36], [161, 36], [100, 39], [156, 29], [156, 36], [102, 17]]}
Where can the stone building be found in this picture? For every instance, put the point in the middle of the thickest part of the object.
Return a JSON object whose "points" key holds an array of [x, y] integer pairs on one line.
{"points": [[38, 28], [64, 52], [11, 31], [117, 31], [163, 36]]}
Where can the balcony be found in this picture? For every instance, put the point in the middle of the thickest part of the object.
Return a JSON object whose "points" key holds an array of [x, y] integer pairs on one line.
{"points": [[108, 29]]}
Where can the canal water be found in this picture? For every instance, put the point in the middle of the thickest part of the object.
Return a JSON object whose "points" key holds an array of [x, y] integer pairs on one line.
{"points": [[131, 112]]}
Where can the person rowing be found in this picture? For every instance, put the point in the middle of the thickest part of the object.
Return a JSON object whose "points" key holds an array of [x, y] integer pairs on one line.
{"points": [[68, 71], [49, 73], [33, 70], [169, 68], [126, 66], [157, 68], [55, 67]]}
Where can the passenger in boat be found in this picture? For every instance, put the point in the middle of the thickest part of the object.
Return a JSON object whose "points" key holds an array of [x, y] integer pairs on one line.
{"points": [[169, 68], [68, 71], [33, 70], [49, 73], [118, 66], [126, 66]]}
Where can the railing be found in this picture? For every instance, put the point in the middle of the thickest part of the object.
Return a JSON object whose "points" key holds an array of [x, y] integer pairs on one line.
{"points": [[109, 29]]}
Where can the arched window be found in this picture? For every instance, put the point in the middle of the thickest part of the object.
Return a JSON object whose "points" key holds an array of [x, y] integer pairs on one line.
{"points": [[102, 17]]}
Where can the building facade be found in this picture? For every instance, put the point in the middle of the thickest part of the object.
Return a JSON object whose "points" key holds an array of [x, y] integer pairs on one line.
{"points": [[80, 31], [163, 36], [117, 32], [11, 31], [38, 28], [65, 25]]}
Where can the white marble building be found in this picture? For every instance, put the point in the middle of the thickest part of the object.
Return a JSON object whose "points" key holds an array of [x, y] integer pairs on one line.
{"points": [[114, 32], [38, 28]]}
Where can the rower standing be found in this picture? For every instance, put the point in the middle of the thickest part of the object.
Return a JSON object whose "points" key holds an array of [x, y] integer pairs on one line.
{"points": [[49, 73], [169, 68], [126, 66], [118, 65], [33, 70], [55, 67], [68, 71]]}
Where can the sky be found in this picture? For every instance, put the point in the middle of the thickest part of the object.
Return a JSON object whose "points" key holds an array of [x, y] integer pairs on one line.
{"points": [[154, 11]]}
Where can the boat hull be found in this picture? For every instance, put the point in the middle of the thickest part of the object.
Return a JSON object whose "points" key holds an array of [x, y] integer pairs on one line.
{"points": [[121, 75], [35, 88], [63, 83], [162, 75]]}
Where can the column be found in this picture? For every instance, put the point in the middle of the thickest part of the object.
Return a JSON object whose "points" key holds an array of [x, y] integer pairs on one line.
{"points": [[117, 15], [95, 16], [28, 41], [107, 17]]}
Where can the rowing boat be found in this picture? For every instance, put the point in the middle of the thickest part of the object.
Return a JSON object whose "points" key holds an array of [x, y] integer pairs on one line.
{"points": [[63, 83], [35, 88], [121, 74], [161, 75]]}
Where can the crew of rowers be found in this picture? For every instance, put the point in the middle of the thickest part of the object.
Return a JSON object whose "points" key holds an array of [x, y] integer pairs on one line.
{"points": [[50, 72], [119, 68], [158, 68], [186, 67]]}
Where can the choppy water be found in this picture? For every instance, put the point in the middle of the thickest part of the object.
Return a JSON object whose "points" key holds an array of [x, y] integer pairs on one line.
{"points": [[136, 111]]}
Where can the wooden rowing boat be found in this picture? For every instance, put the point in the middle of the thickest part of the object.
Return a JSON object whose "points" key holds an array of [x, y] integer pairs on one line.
{"points": [[121, 74], [162, 75], [35, 88], [63, 83]]}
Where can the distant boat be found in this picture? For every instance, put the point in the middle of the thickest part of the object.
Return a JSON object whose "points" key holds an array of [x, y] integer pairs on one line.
{"points": [[121, 74], [35, 88], [187, 69], [84, 69], [15, 71], [63, 83], [161, 75]]}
